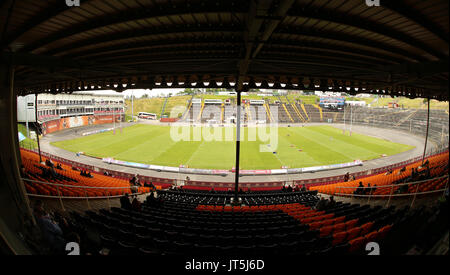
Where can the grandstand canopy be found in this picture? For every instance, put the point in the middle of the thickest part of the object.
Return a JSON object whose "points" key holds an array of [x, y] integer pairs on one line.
{"points": [[399, 48]]}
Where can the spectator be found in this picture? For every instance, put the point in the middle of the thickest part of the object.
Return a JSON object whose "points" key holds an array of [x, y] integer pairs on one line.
{"points": [[331, 203], [347, 176], [58, 166], [125, 202], [368, 189], [413, 173], [150, 200], [51, 231], [374, 188], [321, 204], [360, 189], [49, 163], [22, 171], [212, 190], [136, 204]]}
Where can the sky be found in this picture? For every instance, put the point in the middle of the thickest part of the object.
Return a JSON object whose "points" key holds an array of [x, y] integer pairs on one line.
{"points": [[139, 92]]}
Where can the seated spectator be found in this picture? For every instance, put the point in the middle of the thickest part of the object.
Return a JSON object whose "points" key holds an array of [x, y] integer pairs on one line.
{"points": [[22, 171], [321, 204], [368, 189], [331, 203], [289, 189], [413, 173], [374, 188], [304, 188], [49, 163], [51, 231], [212, 190], [136, 204], [125, 202], [150, 200], [347, 176], [360, 189], [89, 175]]}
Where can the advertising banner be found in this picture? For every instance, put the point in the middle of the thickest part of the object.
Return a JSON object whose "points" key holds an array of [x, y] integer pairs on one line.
{"points": [[71, 122]]}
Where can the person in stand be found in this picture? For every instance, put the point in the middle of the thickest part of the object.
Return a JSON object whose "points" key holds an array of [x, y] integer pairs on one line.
{"points": [[331, 203], [289, 189], [303, 188], [136, 204], [51, 230], [321, 204], [125, 202], [360, 189], [347, 176]]}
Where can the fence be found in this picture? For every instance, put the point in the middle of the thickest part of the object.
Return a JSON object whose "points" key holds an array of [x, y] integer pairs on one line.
{"points": [[86, 197], [392, 187]]}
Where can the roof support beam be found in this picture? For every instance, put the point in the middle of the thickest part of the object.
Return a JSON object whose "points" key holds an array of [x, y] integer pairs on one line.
{"points": [[360, 23], [137, 14], [398, 6]]}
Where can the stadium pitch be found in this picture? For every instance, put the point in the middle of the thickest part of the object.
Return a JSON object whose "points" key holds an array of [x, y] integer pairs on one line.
{"points": [[296, 147]]}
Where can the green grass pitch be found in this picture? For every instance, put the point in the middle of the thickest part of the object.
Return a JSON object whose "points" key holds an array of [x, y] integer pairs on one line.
{"points": [[297, 147]]}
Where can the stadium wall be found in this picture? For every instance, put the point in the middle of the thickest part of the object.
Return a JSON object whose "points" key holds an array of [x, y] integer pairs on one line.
{"points": [[71, 122]]}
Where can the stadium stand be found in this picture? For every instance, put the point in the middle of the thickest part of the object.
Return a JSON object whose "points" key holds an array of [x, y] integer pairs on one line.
{"points": [[74, 185], [179, 222], [434, 180]]}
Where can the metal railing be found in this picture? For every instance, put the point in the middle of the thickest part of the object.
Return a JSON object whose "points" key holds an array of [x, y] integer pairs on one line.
{"points": [[392, 187], [60, 197]]}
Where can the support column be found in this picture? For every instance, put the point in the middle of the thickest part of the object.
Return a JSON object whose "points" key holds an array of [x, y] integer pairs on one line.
{"points": [[37, 127], [426, 135], [15, 213], [238, 144]]}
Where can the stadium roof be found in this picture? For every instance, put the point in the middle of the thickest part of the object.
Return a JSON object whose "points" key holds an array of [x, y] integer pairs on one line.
{"points": [[399, 48]]}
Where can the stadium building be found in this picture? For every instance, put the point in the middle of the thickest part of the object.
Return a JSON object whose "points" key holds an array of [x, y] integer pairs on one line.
{"points": [[62, 111], [259, 168]]}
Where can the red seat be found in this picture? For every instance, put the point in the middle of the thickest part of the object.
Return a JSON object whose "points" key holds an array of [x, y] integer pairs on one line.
{"points": [[353, 233], [326, 230], [365, 228], [356, 244], [339, 227], [373, 236], [383, 231], [350, 224], [339, 237]]}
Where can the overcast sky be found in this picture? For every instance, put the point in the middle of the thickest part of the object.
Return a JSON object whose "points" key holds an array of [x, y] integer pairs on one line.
{"points": [[139, 92]]}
